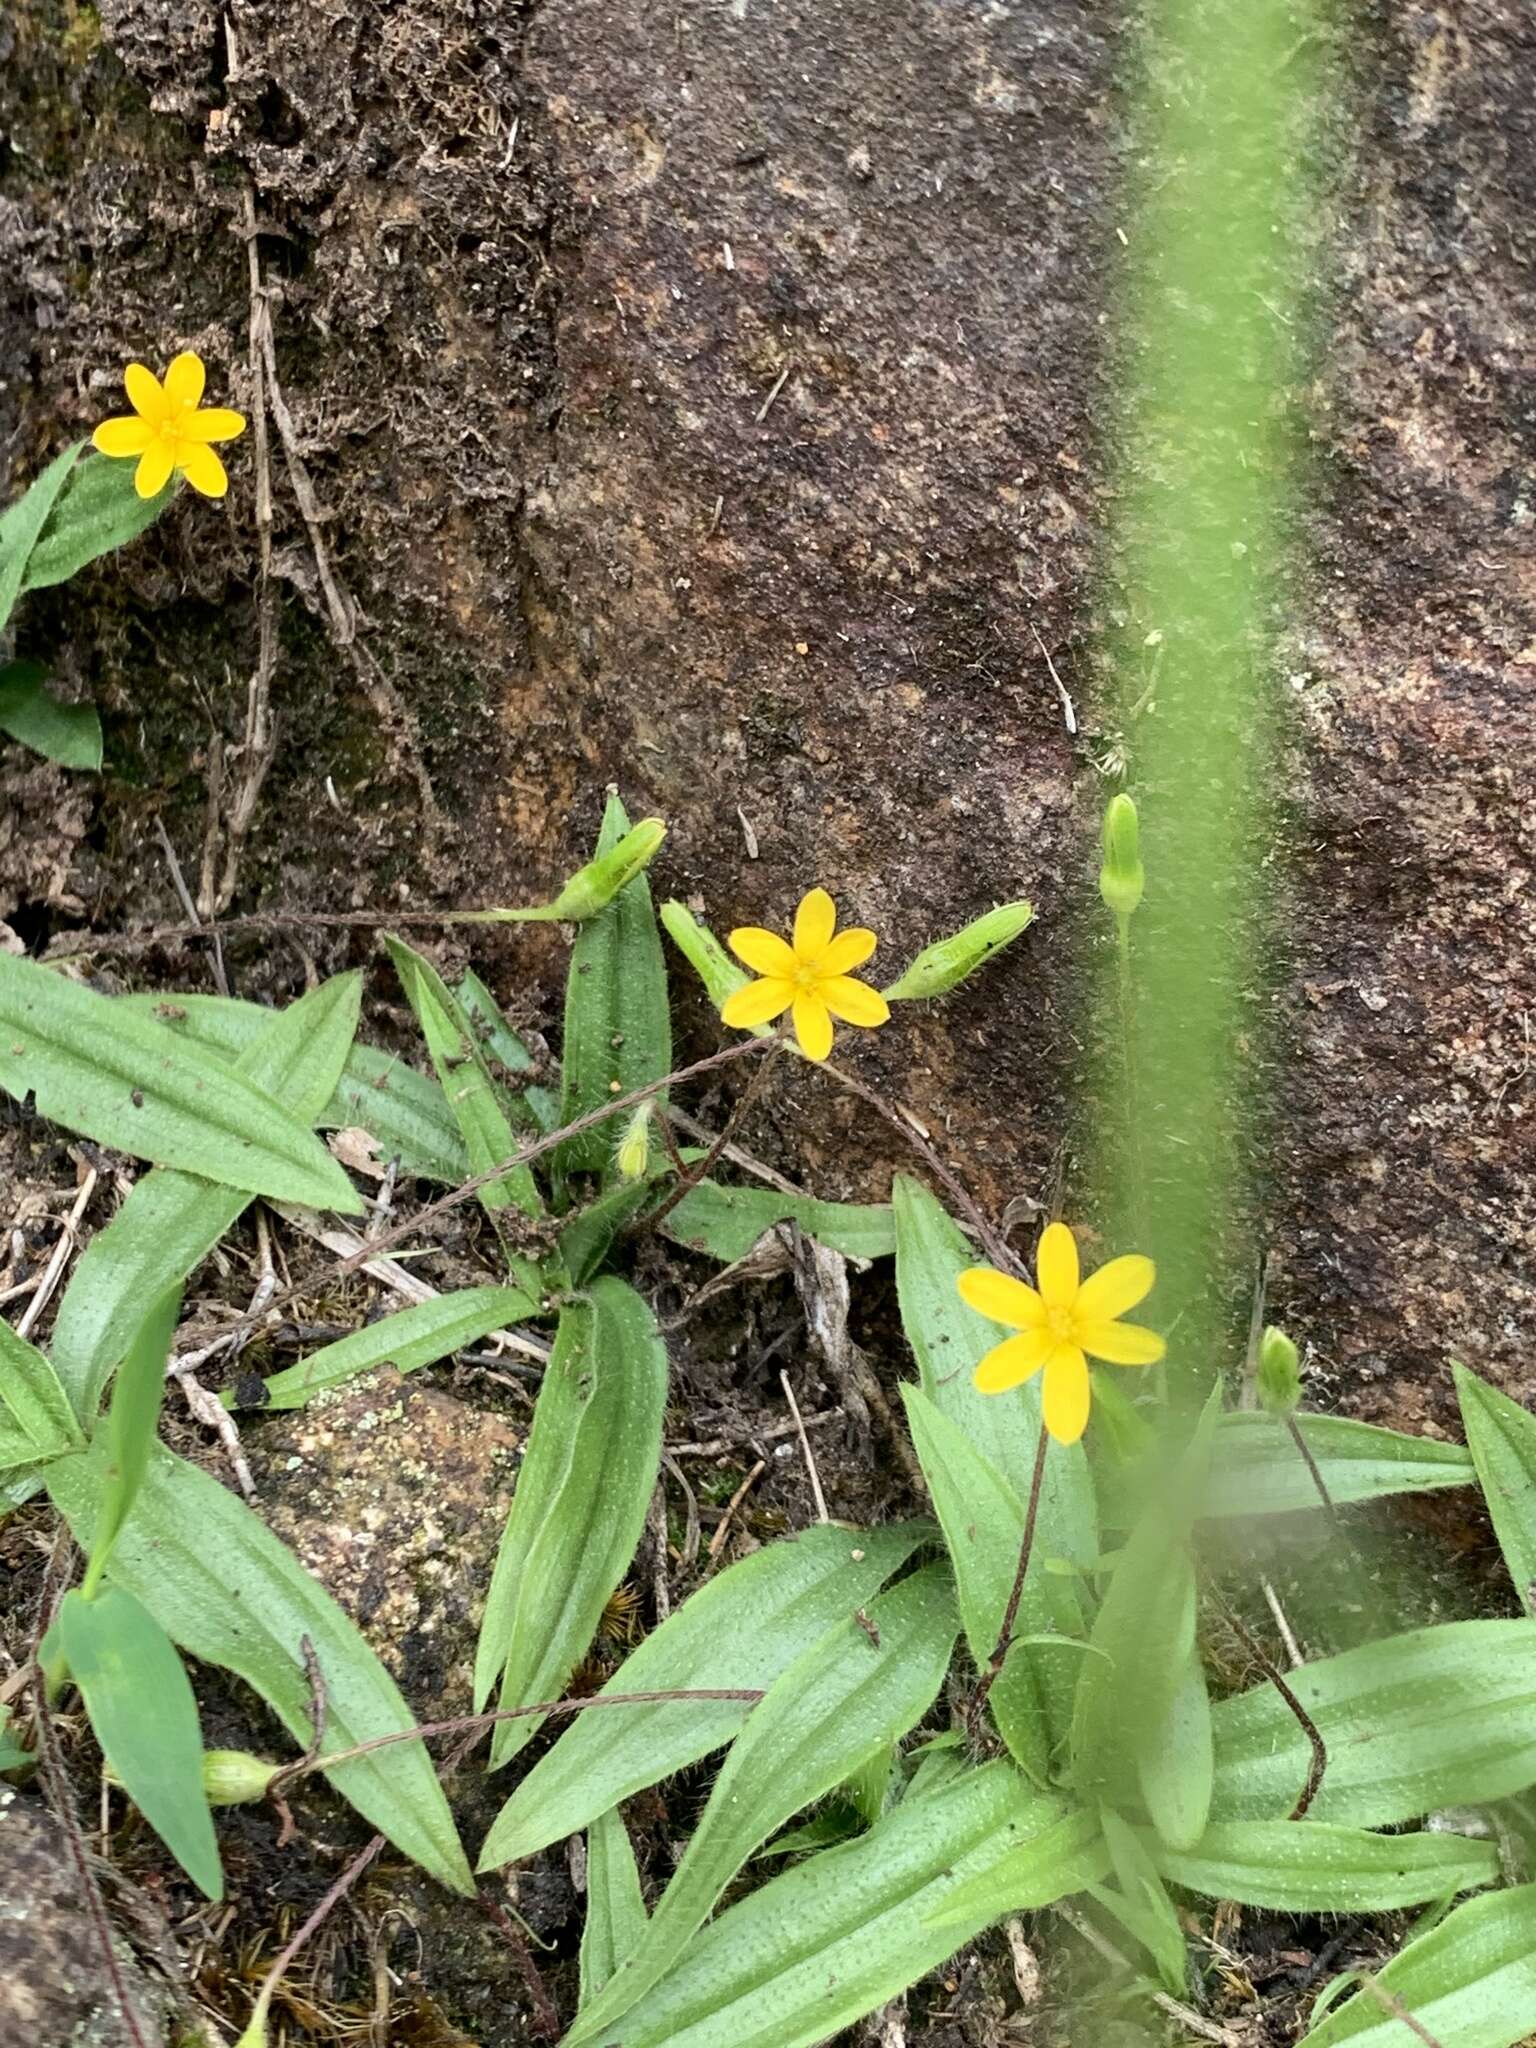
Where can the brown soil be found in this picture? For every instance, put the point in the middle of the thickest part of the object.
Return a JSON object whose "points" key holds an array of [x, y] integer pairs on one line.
{"points": [[711, 398]]}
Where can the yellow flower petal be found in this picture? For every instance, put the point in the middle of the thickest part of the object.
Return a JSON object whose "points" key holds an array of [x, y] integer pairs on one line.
{"points": [[213, 423], [202, 469], [1121, 1343], [1013, 1361], [764, 952], [144, 394], [758, 1003], [185, 378], [813, 1026], [854, 1001], [815, 922], [1056, 1266], [126, 435], [848, 950], [1067, 1395], [1001, 1297], [155, 466], [1116, 1287]]}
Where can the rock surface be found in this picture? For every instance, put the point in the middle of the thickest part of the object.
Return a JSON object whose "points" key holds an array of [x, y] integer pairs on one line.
{"points": [[54, 1988], [712, 398]]}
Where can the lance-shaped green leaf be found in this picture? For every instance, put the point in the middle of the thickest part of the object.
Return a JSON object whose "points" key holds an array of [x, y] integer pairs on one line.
{"points": [[525, 1102], [1141, 1903], [97, 511], [1312, 1866], [129, 1433], [412, 1337], [97, 1067], [23, 523], [171, 1221], [803, 1958], [741, 1629], [948, 1340], [580, 1502], [865, 1683], [1256, 1468], [140, 1703], [228, 1592], [1501, 1437], [1176, 1766], [1470, 1982], [615, 1918], [709, 960], [943, 966], [405, 1112], [34, 1409], [1145, 1630], [466, 1078], [1437, 1717], [727, 1222], [618, 1028], [983, 1523], [67, 733]]}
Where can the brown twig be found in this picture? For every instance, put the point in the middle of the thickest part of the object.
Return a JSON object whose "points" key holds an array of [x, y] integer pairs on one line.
{"points": [[1011, 1612], [1312, 1466], [333, 1897], [805, 1450], [464, 1723], [184, 897], [999, 1253], [1309, 1727], [717, 1541], [689, 1179], [1391, 2003], [546, 2020]]}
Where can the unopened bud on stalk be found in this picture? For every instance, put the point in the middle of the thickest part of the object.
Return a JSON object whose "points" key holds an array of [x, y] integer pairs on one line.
{"points": [[1279, 1373], [706, 956], [594, 887], [635, 1146], [1122, 877], [944, 965], [231, 1777], [590, 889]]}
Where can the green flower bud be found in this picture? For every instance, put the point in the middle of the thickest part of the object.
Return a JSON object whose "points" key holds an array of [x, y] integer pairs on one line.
{"points": [[634, 1150], [231, 1777], [594, 887], [589, 890], [1122, 877], [943, 966], [1279, 1373], [706, 956]]}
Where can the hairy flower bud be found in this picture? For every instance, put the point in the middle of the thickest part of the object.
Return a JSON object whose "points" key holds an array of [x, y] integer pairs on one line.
{"points": [[1122, 878], [594, 887], [589, 890], [1279, 1373], [944, 965], [635, 1146]]}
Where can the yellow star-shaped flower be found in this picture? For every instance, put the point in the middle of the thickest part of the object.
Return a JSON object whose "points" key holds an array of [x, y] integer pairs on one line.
{"points": [[167, 431], [1062, 1325], [809, 977]]}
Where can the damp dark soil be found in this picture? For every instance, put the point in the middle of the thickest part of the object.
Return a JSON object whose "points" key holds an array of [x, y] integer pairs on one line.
{"points": [[711, 399]]}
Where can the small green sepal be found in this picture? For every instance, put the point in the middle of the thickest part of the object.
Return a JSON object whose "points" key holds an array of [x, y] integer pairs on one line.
{"points": [[944, 965]]}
